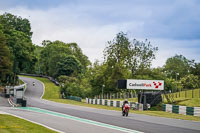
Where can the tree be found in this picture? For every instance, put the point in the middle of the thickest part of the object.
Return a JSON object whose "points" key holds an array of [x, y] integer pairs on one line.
{"points": [[77, 52], [12, 22], [195, 70], [52, 53], [190, 81], [68, 66], [135, 55], [18, 38], [5, 61], [177, 64], [140, 56], [125, 59]]}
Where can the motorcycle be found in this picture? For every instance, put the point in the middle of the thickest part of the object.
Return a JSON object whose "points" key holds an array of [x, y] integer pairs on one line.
{"points": [[33, 83], [125, 110]]}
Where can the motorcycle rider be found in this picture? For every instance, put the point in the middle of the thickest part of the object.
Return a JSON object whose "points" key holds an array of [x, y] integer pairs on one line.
{"points": [[124, 102], [33, 83]]}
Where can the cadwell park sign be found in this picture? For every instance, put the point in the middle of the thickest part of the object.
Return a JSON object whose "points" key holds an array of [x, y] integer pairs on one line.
{"points": [[145, 84], [141, 84]]}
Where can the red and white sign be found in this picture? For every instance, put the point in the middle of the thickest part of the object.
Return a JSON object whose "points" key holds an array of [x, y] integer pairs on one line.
{"points": [[145, 84]]}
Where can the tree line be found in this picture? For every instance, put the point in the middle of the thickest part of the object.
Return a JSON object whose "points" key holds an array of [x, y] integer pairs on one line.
{"points": [[124, 58]]}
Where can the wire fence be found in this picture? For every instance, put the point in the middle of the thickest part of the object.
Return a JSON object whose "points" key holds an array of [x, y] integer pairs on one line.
{"points": [[192, 93]]}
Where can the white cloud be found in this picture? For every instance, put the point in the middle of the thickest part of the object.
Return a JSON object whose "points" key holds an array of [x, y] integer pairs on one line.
{"points": [[81, 25], [169, 48]]}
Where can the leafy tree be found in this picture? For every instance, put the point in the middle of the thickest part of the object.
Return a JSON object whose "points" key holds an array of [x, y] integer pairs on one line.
{"points": [[195, 70], [68, 66], [52, 53], [117, 50], [190, 81], [5, 61], [135, 55], [12, 22], [141, 56], [170, 84], [18, 38], [177, 64], [77, 52], [37, 53], [125, 59]]}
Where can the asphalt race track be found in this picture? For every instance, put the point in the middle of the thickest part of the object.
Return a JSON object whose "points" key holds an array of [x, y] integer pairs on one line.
{"points": [[76, 119]]}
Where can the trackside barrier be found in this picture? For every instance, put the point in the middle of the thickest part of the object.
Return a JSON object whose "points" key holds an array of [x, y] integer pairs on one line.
{"points": [[195, 111], [75, 98], [16, 94], [113, 103]]}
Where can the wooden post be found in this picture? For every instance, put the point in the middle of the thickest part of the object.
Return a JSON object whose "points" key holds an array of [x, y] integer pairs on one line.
{"points": [[199, 93], [192, 93], [185, 94]]}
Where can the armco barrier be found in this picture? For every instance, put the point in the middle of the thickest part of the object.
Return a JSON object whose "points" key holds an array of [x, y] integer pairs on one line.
{"points": [[194, 111], [111, 103], [74, 98]]}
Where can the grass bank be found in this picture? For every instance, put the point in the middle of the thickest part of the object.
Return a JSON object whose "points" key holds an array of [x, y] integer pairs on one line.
{"points": [[11, 124], [50, 87], [186, 98]]}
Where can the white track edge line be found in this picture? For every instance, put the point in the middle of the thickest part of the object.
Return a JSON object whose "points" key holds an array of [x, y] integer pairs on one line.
{"points": [[35, 123]]}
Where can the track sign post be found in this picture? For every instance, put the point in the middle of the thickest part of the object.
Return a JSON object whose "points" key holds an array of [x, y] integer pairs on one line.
{"points": [[145, 84]]}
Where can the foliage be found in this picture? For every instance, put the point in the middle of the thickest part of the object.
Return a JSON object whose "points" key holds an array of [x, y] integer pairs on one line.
{"points": [[195, 69], [18, 34], [68, 66], [190, 81], [52, 53], [126, 59], [177, 64], [5, 61]]}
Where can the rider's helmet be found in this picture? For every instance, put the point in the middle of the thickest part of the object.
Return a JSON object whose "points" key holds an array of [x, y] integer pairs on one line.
{"points": [[125, 101]]}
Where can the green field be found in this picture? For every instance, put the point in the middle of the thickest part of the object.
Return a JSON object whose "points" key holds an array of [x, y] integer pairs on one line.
{"points": [[50, 87], [185, 98], [11, 124]]}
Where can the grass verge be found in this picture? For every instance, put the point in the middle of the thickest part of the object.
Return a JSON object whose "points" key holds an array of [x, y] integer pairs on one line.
{"points": [[184, 98], [50, 87], [11, 124]]}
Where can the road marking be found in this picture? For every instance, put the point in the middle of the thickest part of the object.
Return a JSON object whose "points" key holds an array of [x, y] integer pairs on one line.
{"points": [[79, 119]]}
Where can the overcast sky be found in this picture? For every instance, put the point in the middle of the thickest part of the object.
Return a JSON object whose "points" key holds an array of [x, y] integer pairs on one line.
{"points": [[171, 25]]}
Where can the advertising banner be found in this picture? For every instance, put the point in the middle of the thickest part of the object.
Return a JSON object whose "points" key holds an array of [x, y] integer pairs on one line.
{"points": [[145, 84]]}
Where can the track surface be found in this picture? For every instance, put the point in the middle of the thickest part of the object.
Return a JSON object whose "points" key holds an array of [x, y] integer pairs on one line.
{"points": [[142, 123]]}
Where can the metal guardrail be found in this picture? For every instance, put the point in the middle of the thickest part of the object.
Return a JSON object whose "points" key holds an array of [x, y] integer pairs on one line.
{"points": [[74, 98], [43, 76]]}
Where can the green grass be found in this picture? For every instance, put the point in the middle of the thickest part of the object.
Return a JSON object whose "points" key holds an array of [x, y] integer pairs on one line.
{"points": [[11, 124], [21, 82], [50, 87], [185, 98]]}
